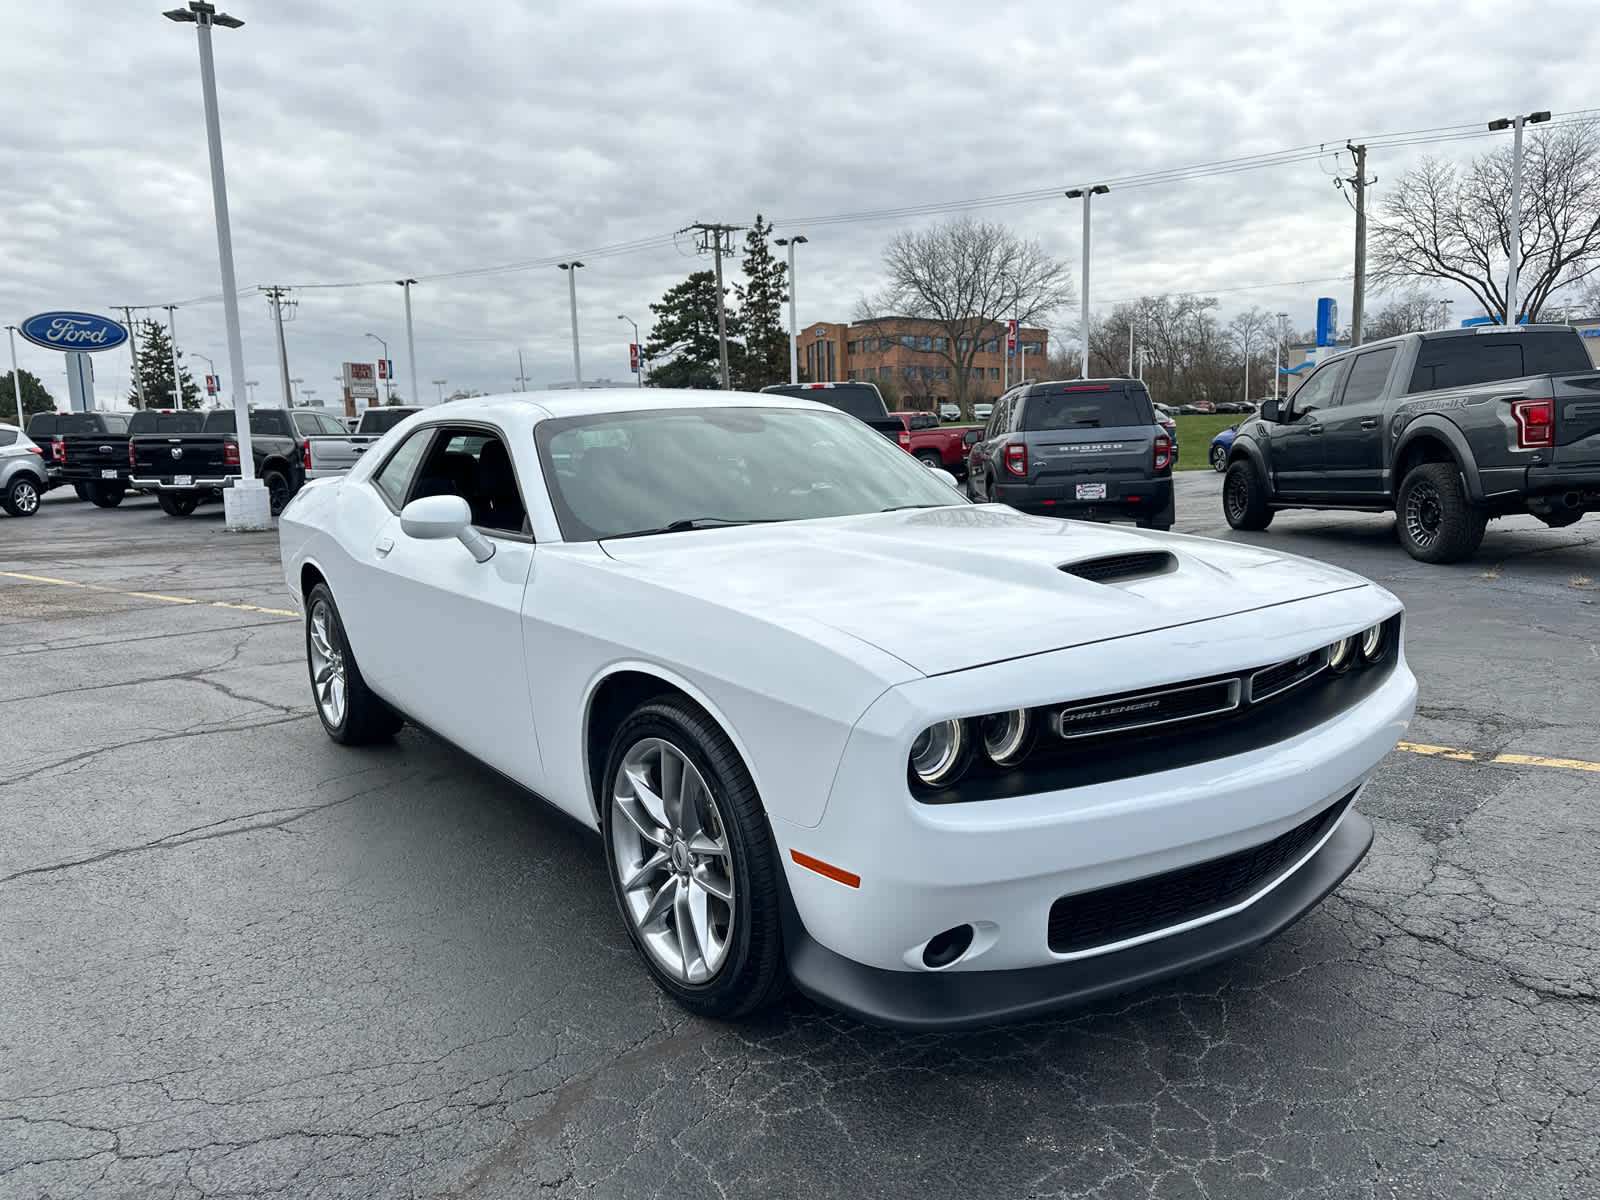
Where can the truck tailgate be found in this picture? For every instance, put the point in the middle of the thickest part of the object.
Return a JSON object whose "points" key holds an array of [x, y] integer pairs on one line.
{"points": [[96, 455], [1113, 457], [194, 456], [1577, 417]]}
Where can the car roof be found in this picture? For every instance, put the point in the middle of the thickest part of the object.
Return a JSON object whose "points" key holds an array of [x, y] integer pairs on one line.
{"points": [[581, 402]]}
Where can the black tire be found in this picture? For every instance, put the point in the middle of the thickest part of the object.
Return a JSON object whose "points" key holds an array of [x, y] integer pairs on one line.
{"points": [[1219, 459], [752, 974], [1244, 497], [176, 504], [103, 495], [1435, 520], [21, 497], [365, 718], [81, 490], [279, 493]]}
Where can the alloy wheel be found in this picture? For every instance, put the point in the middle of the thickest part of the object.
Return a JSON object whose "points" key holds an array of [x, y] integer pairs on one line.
{"points": [[674, 864], [26, 497], [1235, 496], [1424, 514], [327, 666]]}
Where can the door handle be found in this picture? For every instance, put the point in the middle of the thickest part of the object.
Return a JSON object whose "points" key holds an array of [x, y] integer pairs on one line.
{"points": [[1314, 429], [1369, 423], [384, 545]]}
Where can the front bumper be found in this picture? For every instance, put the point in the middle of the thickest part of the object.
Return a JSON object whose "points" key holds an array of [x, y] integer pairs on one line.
{"points": [[1124, 498], [1000, 865], [936, 1001]]}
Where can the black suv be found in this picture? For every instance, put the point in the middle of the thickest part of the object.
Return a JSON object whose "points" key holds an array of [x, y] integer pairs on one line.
{"points": [[1075, 448]]}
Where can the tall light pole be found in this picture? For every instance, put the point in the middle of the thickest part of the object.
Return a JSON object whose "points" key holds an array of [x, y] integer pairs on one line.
{"points": [[571, 268], [388, 374], [249, 510], [1088, 194], [252, 384], [638, 376], [522, 372], [309, 393], [16, 376], [172, 336], [411, 342], [794, 329], [294, 397], [439, 383], [1514, 241], [1277, 354]]}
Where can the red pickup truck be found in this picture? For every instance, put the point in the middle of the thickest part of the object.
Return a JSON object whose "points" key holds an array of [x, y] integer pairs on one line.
{"points": [[935, 444]]}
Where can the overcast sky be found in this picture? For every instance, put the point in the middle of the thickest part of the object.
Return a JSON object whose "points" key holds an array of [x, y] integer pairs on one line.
{"points": [[420, 137]]}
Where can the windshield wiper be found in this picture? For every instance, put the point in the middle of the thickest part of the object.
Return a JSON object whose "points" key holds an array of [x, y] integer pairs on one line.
{"points": [[694, 523]]}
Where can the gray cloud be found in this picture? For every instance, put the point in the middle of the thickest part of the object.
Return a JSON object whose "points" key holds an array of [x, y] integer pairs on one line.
{"points": [[375, 141]]}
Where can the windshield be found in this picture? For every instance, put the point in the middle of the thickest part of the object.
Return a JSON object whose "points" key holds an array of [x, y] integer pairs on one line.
{"points": [[615, 474]]}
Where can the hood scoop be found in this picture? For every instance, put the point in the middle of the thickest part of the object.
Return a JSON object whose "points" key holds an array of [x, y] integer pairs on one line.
{"points": [[1118, 568]]}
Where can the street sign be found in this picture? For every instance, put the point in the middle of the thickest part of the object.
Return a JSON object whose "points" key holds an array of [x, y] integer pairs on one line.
{"points": [[633, 357], [361, 381], [211, 385], [385, 368], [74, 332], [1011, 339]]}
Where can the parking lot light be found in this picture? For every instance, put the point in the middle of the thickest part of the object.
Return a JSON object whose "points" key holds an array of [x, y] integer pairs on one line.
{"points": [[794, 330], [1514, 234], [1088, 193]]}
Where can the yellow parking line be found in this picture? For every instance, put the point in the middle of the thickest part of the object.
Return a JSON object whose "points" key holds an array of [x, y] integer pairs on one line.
{"points": [[95, 587], [1515, 760]]}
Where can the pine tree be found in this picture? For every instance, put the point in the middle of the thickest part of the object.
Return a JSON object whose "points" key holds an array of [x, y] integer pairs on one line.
{"points": [[35, 399], [761, 299], [683, 337], [155, 369]]}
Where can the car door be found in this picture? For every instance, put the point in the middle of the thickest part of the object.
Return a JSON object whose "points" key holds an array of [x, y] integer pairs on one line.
{"points": [[449, 628], [1297, 454], [1352, 433]]}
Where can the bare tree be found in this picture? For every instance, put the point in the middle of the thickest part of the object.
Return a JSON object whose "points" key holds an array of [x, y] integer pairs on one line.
{"points": [[1449, 223], [968, 277], [1251, 334], [1411, 311]]}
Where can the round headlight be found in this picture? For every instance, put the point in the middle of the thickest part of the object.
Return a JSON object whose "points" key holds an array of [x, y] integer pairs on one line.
{"points": [[1372, 643], [1342, 654], [940, 753], [1007, 736]]}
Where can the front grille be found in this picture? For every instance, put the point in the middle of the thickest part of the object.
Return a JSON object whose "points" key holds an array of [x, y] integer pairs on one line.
{"points": [[1130, 910], [1143, 710], [1285, 675], [1114, 568]]}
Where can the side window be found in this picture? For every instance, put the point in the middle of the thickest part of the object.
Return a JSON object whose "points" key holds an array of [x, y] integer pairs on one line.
{"points": [[475, 465], [1367, 376], [8, 437], [394, 476], [1317, 392]]}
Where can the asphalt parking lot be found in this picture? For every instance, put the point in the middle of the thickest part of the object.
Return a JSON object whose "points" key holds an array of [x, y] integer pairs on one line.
{"points": [[236, 959]]}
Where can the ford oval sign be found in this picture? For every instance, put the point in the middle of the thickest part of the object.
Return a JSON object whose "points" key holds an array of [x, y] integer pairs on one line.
{"points": [[70, 331]]}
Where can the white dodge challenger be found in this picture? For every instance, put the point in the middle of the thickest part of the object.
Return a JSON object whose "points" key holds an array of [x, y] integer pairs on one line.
{"points": [[937, 764]]}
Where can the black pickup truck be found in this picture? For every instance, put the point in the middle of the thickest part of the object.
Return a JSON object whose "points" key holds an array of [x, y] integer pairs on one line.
{"points": [[186, 468], [86, 450], [862, 401], [1448, 430]]}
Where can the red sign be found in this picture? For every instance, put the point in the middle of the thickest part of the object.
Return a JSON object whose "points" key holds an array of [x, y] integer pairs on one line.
{"points": [[383, 368], [633, 357], [211, 385]]}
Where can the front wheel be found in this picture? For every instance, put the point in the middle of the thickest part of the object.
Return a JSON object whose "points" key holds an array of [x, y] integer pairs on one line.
{"points": [[1219, 459], [692, 864], [1244, 497], [1436, 521], [21, 497], [350, 713]]}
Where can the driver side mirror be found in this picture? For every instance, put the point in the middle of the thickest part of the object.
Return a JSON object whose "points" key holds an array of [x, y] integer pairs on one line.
{"points": [[972, 437], [1269, 411], [432, 518], [944, 477]]}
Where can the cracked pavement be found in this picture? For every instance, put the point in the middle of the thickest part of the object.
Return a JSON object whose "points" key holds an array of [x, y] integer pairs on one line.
{"points": [[238, 960]]}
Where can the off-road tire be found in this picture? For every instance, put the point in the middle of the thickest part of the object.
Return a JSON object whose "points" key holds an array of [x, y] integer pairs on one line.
{"points": [[1434, 519], [1244, 497]]}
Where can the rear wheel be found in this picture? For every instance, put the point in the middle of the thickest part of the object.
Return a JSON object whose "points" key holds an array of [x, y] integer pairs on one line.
{"points": [[691, 860], [930, 458], [107, 495], [1244, 497], [21, 497], [1436, 521], [81, 490], [278, 493], [349, 711], [177, 504]]}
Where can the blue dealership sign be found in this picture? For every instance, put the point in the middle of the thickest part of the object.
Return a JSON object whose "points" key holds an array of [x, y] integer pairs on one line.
{"points": [[1327, 321], [73, 331]]}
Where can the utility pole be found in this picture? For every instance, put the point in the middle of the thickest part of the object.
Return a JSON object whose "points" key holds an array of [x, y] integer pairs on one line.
{"points": [[522, 372], [1360, 182], [172, 336], [133, 349], [794, 330], [276, 295], [712, 238], [411, 343]]}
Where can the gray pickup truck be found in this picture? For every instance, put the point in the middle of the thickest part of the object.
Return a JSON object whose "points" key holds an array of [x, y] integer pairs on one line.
{"points": [[1447, 430], [336, 452]]}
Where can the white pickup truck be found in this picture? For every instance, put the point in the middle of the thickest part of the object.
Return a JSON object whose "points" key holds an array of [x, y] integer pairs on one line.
{"points": [[334, 455]]}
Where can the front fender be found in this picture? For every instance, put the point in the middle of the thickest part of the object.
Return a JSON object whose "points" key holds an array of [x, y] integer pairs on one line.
{"points": [[1245, 446]]}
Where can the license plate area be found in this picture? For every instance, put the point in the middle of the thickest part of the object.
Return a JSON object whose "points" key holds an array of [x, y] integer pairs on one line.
{"points": [[107, 473], [183, 480], [1090, 491]]}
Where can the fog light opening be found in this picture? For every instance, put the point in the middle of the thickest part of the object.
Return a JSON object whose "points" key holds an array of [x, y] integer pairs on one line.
{"points": [[944, 948]]}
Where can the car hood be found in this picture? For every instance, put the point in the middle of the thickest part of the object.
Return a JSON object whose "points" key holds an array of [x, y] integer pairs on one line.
{"points": [[951, 588]]}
